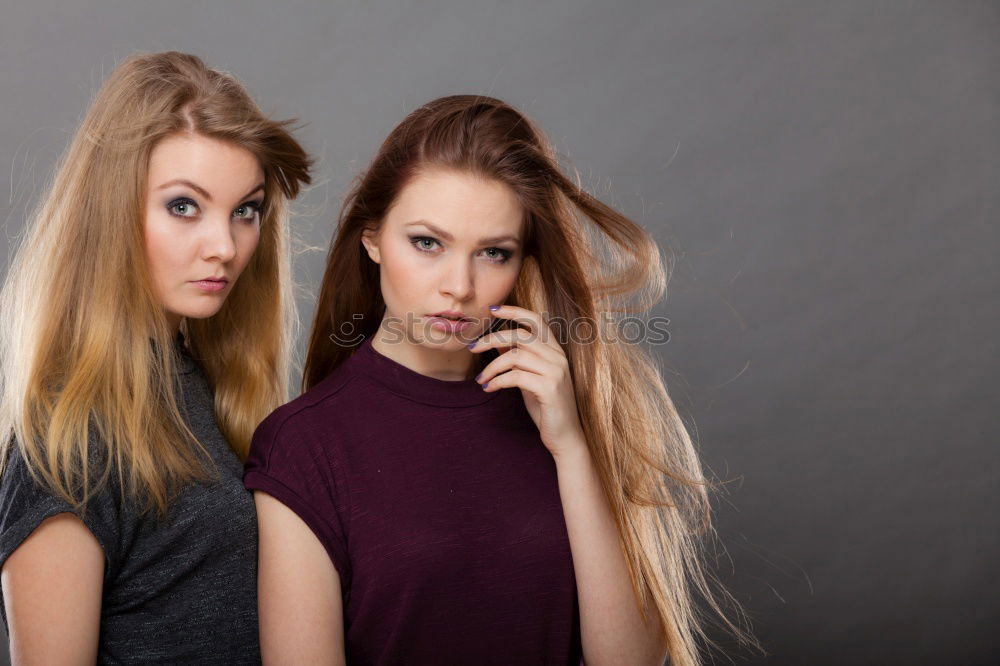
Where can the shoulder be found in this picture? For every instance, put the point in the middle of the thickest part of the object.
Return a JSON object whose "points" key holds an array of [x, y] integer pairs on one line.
{"points": [[312, 408], [315, 416], [20, 490], [26, 501], [21, 478]]}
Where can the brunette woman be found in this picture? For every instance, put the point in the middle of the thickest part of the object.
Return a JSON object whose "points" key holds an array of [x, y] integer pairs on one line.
{"points": [[450, 491]]}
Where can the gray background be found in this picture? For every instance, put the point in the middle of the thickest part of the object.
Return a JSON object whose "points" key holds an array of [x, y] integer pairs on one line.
{"points": [[824, 177]]}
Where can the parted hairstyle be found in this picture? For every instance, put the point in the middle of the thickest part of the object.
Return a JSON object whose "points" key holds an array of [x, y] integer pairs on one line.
{"points": [[582, 260], [83, 340]]}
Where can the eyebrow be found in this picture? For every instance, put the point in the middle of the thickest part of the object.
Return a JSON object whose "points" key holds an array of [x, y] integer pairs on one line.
{"points": [[448, 237], [201, 190]]}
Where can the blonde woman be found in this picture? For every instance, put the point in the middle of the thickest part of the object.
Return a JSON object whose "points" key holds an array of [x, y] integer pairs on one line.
{"points": [[144, 335], [451, 491]]}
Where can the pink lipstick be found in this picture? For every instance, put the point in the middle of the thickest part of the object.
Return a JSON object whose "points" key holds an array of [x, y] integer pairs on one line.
{"points": [[450, 321], [211, 284]]}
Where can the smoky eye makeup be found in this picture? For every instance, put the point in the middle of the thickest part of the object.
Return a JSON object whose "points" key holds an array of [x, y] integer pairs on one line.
{"points": [[187, 208], [254, 209], [503, 254], [418, 242], [184, 207]]}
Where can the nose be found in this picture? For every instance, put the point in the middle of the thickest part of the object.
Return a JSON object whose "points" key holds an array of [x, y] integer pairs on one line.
{"points": [[458, 280], [218, 242]]}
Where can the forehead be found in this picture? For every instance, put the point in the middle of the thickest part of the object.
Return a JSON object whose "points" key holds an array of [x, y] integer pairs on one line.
{"points": [[464, 204], [212, 163]]}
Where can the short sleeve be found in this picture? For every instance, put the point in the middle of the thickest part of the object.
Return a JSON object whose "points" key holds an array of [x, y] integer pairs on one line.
{"points": [[294, 464], [24, 504]]}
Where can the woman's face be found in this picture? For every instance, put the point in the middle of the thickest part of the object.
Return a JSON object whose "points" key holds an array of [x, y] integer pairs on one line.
{"points": [[202, 222], [449, 247]]}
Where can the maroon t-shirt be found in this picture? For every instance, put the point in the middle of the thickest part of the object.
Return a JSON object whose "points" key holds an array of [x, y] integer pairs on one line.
{"points": [[438, 505]]}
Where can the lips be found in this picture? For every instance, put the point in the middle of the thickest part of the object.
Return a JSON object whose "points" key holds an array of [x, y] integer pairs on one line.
{"points": [[211, 283], [452, 315], [443, 323]]}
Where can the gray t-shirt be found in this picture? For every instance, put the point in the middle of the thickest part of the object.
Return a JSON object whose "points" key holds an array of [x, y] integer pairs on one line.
{"points": [[176, 591]]}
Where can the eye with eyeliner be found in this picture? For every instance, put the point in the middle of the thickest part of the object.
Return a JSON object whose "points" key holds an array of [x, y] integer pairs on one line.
{"points": [[187, 208], [175, 207], [416, 241], [505, 255], [254, 207]]}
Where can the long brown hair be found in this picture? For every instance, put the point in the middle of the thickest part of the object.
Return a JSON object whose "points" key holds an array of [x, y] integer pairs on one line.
{"points": [[582, 260], [79, 313]]}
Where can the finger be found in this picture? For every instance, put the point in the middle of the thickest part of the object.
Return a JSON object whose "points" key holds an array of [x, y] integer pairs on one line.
{"points": [[508, 338], [531, 348], [518, 337], [528, 319], [529, 381], [534, 353], [522, 316], [517, 359]]}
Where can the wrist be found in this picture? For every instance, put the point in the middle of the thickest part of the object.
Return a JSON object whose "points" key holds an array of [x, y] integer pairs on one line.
{"points": [[571, 450]]}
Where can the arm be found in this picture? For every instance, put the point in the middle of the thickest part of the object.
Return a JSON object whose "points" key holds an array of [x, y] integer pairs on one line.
{"points": [[52, 588], [298, 590], [610, 622]]}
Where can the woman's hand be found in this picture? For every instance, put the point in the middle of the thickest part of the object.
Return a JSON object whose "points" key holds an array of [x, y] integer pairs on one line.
{"points": [[533, 361]]}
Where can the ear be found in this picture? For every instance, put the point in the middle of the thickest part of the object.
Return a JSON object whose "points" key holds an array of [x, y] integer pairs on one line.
{"points": [[369, 238]]}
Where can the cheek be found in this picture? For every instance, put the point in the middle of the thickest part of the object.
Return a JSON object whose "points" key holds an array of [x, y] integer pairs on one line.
{"points": [[498, 286], [162, 244], [401, 272], [247, 241]]}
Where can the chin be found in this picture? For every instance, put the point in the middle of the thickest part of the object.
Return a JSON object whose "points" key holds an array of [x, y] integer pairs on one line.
{"points": [[200, 313], [452, 344], [449, 342]]}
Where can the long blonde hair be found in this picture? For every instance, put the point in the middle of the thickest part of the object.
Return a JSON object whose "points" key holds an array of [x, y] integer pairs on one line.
{"points": [[83, 342], [582, 260]]}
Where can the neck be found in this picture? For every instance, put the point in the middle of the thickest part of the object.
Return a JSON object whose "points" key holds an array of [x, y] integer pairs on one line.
{"points": [[444, 364]]}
